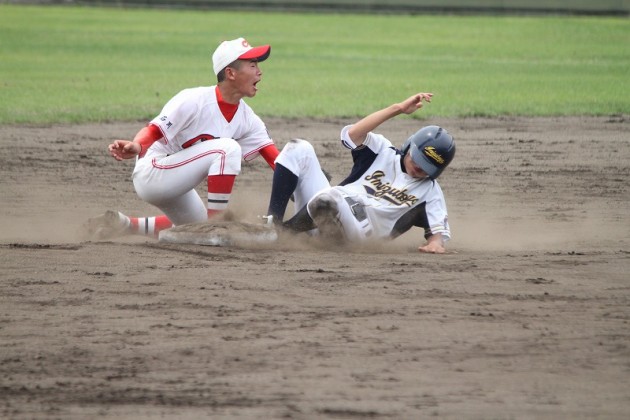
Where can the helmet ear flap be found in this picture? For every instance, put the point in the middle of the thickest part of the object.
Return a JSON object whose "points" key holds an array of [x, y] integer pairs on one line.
{"points": [[405, 147]]}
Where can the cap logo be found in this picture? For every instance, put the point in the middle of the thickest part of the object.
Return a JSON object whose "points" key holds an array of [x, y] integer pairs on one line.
{"points": [[430, 152], [245, 43]]}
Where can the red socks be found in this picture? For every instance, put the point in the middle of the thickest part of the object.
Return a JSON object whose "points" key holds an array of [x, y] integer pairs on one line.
{"points": [[150, 226], [219, 192]]}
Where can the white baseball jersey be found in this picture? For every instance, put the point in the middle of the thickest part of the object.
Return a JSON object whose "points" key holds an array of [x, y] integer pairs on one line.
{"points": [[195, 115], [393, 200]]}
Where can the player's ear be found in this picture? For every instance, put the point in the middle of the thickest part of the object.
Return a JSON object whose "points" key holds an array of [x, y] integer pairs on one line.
{"points": [[232, 69], [230, 73]]}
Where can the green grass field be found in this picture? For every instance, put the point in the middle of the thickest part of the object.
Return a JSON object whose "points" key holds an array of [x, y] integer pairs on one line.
{"points": [[75, 64]]}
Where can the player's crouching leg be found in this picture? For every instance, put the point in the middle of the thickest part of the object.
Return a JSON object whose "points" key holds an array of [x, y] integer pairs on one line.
{"points": [[222, 174]]}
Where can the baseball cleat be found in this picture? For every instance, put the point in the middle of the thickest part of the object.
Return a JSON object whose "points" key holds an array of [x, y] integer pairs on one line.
{"points": [[106, 226], [324, 212], [267, 221]]}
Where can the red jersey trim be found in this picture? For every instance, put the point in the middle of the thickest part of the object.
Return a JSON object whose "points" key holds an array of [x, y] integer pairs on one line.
{"points": [[174, 165], [248, 157]]}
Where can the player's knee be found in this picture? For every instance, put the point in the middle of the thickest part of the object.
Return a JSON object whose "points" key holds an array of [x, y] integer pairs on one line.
{"points": [[224, 157], [232, 148], [233, 156], [324, 201], [298, 147]]}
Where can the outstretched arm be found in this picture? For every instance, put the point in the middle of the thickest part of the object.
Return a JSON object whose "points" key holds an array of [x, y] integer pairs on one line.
{"points": [[125, 149], [358, 132]]}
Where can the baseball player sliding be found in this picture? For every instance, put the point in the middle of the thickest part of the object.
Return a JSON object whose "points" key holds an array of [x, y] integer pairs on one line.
{"points": [[387, 192], [202, 133]]}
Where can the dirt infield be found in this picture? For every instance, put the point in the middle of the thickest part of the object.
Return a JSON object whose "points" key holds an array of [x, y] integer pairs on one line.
{"points": [[526, 317]]}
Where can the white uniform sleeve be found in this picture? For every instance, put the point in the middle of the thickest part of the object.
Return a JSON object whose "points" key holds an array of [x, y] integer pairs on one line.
{"points": [[256, 138], [437, 215], [345, 139], [376, 142], [176, 115]]}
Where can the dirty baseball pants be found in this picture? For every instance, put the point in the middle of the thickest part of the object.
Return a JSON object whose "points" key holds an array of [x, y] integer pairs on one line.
{"points": [[169, 182], [298, 156]]}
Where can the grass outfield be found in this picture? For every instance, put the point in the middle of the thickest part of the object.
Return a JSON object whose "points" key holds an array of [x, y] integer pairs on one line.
{"points": [[75, 64]]}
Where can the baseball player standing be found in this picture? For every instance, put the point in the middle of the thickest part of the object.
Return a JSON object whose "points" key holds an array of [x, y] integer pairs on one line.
{"points": [[202, 133], [387, 192]]}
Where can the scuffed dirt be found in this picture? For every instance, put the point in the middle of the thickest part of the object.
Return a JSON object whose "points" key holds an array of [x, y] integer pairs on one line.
{"points": [[526, 317]]}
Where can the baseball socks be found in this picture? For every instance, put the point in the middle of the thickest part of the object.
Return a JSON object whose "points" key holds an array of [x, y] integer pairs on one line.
{"points": [[150, 226], [219, 192], [283, 185]]}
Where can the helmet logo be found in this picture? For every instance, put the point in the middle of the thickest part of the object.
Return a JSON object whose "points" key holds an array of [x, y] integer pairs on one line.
{"points": [[430, 152]]}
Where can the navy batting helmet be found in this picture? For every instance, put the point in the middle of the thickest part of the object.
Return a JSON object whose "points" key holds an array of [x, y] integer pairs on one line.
{"points": [[431, 148]]}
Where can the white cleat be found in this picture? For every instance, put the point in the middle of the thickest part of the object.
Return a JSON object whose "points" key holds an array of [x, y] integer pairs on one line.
{"points": [[106, 226]]}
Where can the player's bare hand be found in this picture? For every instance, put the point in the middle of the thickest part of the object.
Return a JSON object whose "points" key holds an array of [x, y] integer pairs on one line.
{"points": [[414, 102], [434, 245], [124, 149], [432, 248]]}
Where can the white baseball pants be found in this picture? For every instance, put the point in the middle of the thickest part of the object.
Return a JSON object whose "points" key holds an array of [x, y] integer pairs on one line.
{"points": [[299, 157], [169, 182]]}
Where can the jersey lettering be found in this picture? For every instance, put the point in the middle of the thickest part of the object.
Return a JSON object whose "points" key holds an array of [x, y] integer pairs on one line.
{"points": [[385, 191], [164, 118]]}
